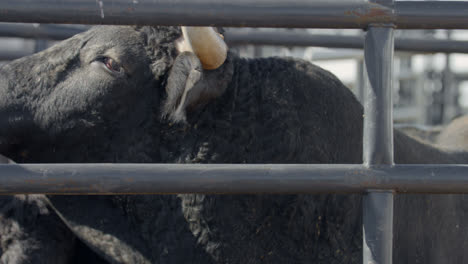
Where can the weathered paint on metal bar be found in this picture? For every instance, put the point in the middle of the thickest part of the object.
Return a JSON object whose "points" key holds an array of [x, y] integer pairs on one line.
{"points": [[240, 13]]}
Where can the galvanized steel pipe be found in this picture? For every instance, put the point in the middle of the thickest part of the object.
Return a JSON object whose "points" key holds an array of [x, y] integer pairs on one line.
{"points": [[229, 178], [240, 13]]}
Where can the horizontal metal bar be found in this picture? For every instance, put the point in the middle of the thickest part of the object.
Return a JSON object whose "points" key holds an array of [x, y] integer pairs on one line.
{"points": [[254, 37], [52, 32], [237, 38], [302, 39], [460, 76], [229, 178], [7, 55], [240, 13], [431, 14]]}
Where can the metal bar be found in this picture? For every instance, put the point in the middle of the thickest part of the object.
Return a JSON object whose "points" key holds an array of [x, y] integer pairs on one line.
{"points": [[7, 55], [378, 132], [328, 55], [431, 45], [378, 141], [426, 14], [240, 13], [52, 32], [360, 81], [460, 77], [40, 45], [237, 37], [229, 178], [303, 39], [377, 235]]}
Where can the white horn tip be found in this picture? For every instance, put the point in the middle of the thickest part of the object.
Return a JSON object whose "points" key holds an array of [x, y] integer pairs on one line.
{"points": [[208, 45]]}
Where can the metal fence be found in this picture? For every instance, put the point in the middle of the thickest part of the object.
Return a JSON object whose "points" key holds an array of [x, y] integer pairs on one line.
{"points": [[235, 37], [378, 177]]}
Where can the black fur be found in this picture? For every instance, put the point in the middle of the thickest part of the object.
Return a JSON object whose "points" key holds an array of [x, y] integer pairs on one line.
{"points": [[61, 105]]}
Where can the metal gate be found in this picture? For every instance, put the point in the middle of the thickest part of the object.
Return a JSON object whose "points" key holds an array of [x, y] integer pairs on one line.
{"points": [[378, 177]]}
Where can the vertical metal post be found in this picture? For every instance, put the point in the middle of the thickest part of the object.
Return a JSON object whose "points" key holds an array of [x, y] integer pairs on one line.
{"points": [[40, 44], [377, 227], [378, 123], [378, 140], [378, 144], [360, 81], [450, 93]]}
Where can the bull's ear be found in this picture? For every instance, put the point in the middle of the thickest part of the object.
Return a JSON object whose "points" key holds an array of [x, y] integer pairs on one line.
{"points": [[188, 86]]}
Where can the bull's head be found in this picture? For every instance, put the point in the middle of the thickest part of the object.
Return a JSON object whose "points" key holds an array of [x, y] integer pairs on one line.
{"points": [[105, 83]]}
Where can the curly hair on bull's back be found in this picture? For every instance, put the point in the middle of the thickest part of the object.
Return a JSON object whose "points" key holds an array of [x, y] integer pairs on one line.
{"points": [[146, 95]]}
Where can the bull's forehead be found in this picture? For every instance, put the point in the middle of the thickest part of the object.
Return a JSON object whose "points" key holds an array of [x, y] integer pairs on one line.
{"points": [[117, 34], [122, 43]]}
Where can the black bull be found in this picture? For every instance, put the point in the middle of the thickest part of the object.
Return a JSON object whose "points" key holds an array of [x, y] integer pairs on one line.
{"points": [[111, 94]]}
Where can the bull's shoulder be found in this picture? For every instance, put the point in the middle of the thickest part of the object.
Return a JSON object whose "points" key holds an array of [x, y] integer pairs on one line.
{"points": [[295, 81], [304, 105], [276, 110]]}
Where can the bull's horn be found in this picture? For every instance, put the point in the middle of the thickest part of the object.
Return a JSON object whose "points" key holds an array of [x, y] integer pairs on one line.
{"points": [[207, 44]]}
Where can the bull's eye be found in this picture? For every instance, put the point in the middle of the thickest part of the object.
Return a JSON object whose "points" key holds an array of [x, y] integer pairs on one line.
{"points": [[111, 65]]}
